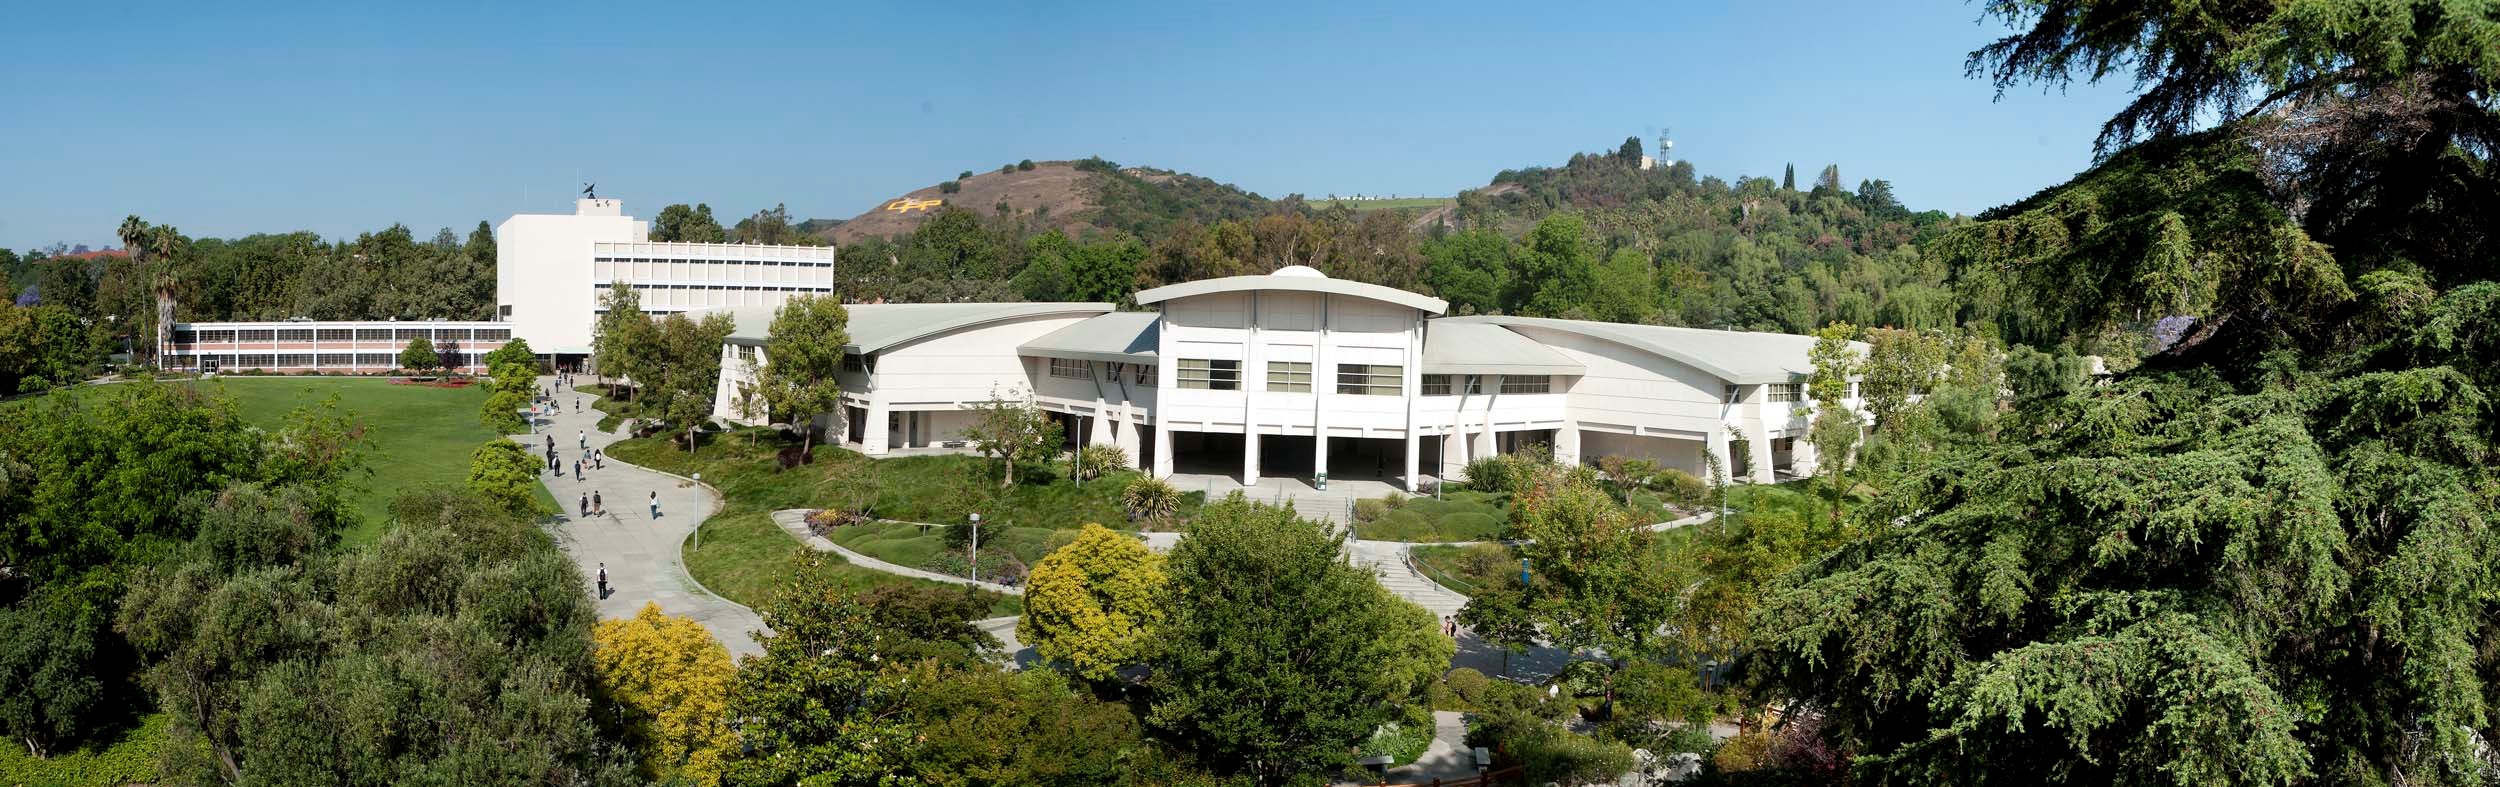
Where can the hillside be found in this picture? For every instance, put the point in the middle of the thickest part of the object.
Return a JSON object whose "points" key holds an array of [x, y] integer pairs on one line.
{"points": [[1075, 197]]}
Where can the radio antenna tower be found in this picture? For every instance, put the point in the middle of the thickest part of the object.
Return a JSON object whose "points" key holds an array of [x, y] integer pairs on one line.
{"points": [[1666, 149]]}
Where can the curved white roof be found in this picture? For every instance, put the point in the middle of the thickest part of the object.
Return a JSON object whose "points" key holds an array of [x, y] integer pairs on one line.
{"points": [[1741, 357], [877, 326], [1454, 347], [1117, 337], [1303, 280]]}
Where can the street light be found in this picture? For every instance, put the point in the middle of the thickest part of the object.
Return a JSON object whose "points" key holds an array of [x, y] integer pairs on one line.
{"points": [[972, 554]]}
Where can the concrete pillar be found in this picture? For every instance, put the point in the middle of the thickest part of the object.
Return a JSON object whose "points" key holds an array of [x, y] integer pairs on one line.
{"points": [[1718, 447], [1319, 452], [1128, 437], [1758, 436], [1453, 455], [1484, 443], [1567, 443], [1414, 482], [1248, 455], [874, 442], [1163, 451], [1802, 460]]}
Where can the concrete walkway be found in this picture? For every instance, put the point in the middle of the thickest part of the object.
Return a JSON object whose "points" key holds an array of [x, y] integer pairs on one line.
{"points": [[643, 553], [794, 522]]}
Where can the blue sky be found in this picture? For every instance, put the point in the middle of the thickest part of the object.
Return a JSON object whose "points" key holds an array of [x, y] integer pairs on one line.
{"points": [[343, 117]]}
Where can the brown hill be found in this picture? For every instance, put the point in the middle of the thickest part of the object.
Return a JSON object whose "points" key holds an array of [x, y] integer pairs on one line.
{"points": [[1075, 196], [1055, 190]]}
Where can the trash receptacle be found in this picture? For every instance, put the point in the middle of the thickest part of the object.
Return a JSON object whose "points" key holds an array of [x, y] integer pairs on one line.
{"points": [[1320, 481]]}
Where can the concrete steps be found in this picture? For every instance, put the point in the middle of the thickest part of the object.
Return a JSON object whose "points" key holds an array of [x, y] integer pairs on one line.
{"points": [[1387, 561]]}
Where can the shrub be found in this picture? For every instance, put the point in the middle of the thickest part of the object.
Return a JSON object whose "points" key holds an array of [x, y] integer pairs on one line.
{"points": [[1554, 755], [967, 175], [825, 520], [1368, 510], [1007, 169], [1025, 165], [1493, 473], [1394, 500], [1467, 683], [1150, 499], [1679, 487], [1094, 461], [950, 187]]}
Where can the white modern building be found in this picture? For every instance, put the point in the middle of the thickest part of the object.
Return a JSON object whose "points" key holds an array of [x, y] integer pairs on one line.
{"points": [[551, 271], [1294, 373], [327, 347]]}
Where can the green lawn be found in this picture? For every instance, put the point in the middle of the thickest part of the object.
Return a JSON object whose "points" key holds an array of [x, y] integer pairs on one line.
{"points": [[129, 760], [743, 554], [1463, 569], [415, 435], [1463, 515], [907, 544]]}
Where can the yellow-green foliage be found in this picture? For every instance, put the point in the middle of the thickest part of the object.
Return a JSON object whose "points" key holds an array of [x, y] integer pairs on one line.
{"points": [[671, 681], [1093, 603], [504, 472]]}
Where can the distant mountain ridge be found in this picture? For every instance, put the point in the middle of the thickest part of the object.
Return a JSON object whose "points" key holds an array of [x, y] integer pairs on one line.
{"points": [[1076, 197]]}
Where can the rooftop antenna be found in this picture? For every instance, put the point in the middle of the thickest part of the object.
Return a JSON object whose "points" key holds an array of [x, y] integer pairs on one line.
{"points": [[1666, 149], [590, 190]]}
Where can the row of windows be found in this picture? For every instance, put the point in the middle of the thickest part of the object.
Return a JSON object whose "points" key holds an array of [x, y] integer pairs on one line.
{"points": [[311, 360], [1068, 369], [1360, 379], [223, 335], [789, 263], [1136, 373]]}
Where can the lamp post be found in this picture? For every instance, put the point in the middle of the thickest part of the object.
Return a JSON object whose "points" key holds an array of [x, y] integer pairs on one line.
{"points": [[972, 554]]}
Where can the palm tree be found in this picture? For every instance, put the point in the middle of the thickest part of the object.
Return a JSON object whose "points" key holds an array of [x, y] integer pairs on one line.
{"points": [[165, 245]]}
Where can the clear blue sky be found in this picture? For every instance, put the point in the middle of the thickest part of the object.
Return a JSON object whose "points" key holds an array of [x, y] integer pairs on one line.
{"points": [[343, 117]]}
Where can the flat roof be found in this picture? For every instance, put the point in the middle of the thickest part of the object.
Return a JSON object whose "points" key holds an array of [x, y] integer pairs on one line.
{"points": [[1454, 347], [1117, 337], [1294, 278], [877, 326], [1741, 357]]}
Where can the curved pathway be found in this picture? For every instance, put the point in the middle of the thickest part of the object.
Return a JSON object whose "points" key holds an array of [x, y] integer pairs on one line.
{"points": [[643, 554], [794, 522]]}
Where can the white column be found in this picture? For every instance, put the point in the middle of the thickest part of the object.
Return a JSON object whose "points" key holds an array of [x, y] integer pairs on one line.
{"points": [[1163, 451], [1718, 447], [1453, 455], [1128, 438], [1567, 443], [874, 443], [1802, 459], [1249, 454]]}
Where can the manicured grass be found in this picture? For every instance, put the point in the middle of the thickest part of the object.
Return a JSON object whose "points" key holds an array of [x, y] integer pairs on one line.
{"points": [[908, 544], [129, 760], [415, 435], [1461, 515], [743, 555]]}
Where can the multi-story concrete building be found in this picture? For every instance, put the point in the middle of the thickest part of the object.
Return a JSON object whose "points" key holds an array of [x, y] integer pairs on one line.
{"points": [[1294, 373], [551, 271], [340, 347]]}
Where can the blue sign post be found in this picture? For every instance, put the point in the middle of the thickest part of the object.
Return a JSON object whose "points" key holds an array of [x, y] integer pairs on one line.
{"points": [[1523, 572]]}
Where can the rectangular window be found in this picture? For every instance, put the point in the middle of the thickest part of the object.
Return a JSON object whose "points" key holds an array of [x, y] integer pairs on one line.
{"points": [[216, 337], [1518, 384], [494, 334], [377, 360], [1787, 392], [335, 334], [1071, 369], [1143, 373], [295, 334], [1436, 385], [254, 335], [373, 334], [406, 334], [1210, 375], [338, 359], [255, 361], [295, 360], [1370, 379], [1289, 376], [186, 336], [852, 363]]}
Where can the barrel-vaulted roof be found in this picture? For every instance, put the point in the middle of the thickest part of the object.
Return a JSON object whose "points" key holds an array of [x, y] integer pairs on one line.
{"points": [[1457, 347], [877, 326], [1741, 357], [1295, 278], [1117, 337]]}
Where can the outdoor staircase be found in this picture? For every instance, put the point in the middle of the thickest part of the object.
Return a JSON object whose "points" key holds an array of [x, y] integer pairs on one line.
{"points": [[1388, 562]]}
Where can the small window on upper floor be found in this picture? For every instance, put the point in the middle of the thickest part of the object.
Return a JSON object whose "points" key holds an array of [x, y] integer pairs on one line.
{"points": [[1524, 384], [1370, 379], [1788, 392], [851, 362], [1211, 375], [1143, 373], [1436, 385], [1071, 369]]}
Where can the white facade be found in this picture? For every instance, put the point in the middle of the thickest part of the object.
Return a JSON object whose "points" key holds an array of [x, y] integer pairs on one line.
{"points": [[335, 347], [552, 269], [1293, 373]]}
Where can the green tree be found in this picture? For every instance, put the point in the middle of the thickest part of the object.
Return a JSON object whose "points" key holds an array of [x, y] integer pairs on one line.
{"points": [[1557, 271], [1788, 178], [419, 355], [1105, 270], [1010, 429], [685, 371], [797, 380], [504, 473], [1590, 554], [669, 679], [622, 340], [1093, 605], [1836, 426], [1900, 365], [1471, 269], [1278, 657], [815, 708], [678, 223]]}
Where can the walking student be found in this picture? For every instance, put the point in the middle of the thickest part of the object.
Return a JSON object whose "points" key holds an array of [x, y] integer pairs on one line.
{"points": [[597, 506], [581, 438], [577, 469], [655, 504], [603, 580], [585, 505]]}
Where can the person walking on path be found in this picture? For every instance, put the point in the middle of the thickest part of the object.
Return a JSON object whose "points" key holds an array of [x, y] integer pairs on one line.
{"points": [[603, 580], [585, 506], [597, 506], [582, 437], [655, 504], [577, 470]]}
